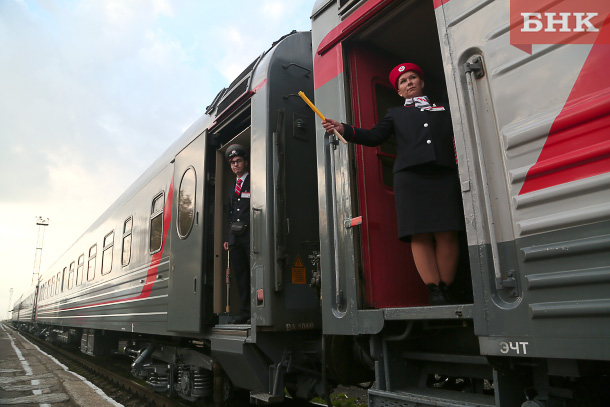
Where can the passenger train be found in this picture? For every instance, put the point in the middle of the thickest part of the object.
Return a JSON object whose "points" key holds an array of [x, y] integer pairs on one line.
{"points": [[335, 297]]}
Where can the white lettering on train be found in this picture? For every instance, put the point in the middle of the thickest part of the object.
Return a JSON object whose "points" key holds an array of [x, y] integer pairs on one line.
{"points": [[506, 347], [533, 22]]}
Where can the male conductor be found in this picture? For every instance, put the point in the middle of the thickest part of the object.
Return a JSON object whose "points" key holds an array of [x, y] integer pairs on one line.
{"points": [[238, 219]]}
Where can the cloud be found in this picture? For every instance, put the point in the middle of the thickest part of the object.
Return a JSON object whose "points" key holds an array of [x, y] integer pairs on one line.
{"points": [[92, 92], [275, 10]]}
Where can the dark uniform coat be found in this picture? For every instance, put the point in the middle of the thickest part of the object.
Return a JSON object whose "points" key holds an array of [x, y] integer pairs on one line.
{"points": [[426, 183], [422, 136], [239, 246], [239, 210]]}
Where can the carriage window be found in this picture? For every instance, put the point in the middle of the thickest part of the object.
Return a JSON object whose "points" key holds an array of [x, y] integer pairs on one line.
{"points": [[385, 98], [71, 276], [186, 202], [80, 269], [156, 224], [58, 283], [53, 286], [64, 282], [107, 253], [126, 256], [91, 262]]}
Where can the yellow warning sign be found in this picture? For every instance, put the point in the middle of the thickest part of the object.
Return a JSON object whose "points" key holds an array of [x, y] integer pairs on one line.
{"points": [[298, 271]]}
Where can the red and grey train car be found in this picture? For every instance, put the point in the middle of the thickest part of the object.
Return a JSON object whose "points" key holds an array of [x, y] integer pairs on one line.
{"points": [[335, 296], [532, 140]]}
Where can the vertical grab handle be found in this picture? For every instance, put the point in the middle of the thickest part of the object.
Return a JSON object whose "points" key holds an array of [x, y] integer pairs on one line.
{"points": [[474, 69], [256, 230], [333, 142]]}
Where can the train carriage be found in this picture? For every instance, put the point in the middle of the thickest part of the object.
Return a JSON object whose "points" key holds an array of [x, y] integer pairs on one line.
{"points": [[531, 133]]}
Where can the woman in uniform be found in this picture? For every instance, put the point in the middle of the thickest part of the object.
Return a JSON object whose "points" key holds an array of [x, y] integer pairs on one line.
{"points": [[426, 183]]}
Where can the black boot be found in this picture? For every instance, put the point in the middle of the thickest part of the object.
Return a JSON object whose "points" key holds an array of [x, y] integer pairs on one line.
{"points": [[436, 295], [446, 292]]}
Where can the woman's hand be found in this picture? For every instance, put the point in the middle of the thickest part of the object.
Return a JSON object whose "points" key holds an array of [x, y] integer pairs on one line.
{"points": [[330, 125]]}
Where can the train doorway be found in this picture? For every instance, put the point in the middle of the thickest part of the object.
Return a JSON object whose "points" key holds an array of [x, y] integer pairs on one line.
{"points": [[391, 276], [406, 33], [226, 294]]}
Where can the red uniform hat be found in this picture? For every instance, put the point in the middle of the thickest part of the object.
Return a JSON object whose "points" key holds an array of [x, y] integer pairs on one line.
{"points": [[402, 68]]}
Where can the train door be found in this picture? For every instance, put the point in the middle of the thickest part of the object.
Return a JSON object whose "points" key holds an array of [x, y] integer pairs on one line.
{"points": [[391, 276], [226, 294], [185, 283]]}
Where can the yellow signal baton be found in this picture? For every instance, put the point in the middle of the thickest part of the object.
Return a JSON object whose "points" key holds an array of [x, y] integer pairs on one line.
{"points": [[315, 109]]}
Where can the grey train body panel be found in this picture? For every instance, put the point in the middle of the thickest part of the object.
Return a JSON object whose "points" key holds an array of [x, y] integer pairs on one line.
{"points": [[552, 296]]}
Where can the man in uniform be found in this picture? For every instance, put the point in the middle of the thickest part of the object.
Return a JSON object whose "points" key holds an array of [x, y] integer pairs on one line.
{"points": [[238, 221]]}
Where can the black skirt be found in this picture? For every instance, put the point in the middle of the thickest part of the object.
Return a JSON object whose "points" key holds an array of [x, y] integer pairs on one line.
{"points": [[428, 199]]}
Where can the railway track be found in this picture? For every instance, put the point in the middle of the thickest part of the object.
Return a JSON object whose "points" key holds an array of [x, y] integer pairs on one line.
{"points": [[121, 389], [114, 379]]}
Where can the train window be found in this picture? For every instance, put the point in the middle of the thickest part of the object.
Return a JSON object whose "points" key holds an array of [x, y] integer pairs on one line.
{"points": [[64, 282], [186, 202], [107, 253], [156, 223], [126, 256], [79, 269], [386, 98], [58, 283], [71, 276], [91, 262], [53, 286]]}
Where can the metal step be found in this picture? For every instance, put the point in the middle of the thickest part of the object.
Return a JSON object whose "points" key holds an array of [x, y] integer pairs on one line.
{"points": [[427, 397], [447, 358], [461, 311]]}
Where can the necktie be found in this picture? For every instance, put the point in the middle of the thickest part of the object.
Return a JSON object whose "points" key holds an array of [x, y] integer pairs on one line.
{"points": [[423, 103], [238, 187]]}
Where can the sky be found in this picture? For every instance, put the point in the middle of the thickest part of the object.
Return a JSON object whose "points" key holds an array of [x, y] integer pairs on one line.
{"points": [[93, 91]]}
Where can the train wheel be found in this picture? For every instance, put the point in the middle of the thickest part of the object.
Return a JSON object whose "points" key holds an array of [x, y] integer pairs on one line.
{"points": [[225, 394]]}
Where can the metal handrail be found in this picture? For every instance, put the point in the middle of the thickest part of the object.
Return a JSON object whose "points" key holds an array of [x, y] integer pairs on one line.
{"points": [[484, 183], [333, 143]]}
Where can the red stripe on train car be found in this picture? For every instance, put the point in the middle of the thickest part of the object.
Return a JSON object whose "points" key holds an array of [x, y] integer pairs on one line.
{"points": [[578, 145], [151, 275], [328, 60], [439, 3]]}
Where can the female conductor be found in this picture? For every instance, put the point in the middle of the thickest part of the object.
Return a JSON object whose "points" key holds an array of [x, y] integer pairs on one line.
{"points": [[426, 183]]}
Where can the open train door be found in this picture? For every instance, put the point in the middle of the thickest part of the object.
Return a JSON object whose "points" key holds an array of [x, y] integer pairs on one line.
{"points": [[185, 282], [390, 273]]}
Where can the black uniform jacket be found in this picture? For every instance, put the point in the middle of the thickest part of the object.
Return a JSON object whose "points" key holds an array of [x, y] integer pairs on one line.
{"points": [[239, 210], [422, 136]]}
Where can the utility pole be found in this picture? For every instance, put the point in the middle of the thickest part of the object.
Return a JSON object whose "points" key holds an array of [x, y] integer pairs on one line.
{"points": [[42, 224], [10, 299]]}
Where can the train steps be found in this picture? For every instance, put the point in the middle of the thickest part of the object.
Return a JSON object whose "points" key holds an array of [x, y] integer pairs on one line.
{"points": [[447, 312], [427, 397]]}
